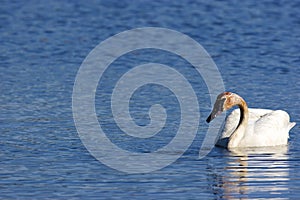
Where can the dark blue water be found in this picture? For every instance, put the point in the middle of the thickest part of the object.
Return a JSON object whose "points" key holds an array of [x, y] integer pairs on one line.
{"points": [[255, 46]]}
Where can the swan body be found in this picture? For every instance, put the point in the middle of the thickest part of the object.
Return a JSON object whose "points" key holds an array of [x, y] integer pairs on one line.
{"points": [[250, 127]]}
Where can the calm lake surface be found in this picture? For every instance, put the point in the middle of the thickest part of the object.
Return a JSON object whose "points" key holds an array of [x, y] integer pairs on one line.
{"points": [[255, 46]]}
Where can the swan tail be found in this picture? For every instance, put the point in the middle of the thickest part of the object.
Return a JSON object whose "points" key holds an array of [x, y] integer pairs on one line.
{"points": [[291, 125]]}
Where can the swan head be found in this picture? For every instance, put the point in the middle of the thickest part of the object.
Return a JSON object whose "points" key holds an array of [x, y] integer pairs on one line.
{"points": [[225, 101]]}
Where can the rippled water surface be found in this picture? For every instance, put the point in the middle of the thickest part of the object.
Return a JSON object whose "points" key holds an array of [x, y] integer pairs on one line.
{"points": [[255, 46]]}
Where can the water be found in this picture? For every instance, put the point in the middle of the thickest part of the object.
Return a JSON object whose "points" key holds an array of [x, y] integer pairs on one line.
{"points": [[255, 46]]}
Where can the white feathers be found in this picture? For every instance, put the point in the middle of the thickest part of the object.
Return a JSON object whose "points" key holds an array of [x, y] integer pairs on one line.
{"points": [[264, 128]]}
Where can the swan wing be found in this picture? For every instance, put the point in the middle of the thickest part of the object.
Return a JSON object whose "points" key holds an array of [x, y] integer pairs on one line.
{"points": [[233, 119], [272, 128]]}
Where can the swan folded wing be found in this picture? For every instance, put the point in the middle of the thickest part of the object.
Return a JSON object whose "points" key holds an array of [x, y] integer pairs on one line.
{"points": [[232, 120], [273, 128]]}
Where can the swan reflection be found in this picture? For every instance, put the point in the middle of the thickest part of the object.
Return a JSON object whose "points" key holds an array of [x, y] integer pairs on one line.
{"points": [[256, 172]]}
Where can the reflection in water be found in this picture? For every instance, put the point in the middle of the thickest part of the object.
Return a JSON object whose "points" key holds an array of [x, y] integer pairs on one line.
{"points": [[256, 172]]}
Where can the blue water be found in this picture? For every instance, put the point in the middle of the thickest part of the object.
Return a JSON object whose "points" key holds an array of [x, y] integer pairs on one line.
{"points": [[254, 44]]}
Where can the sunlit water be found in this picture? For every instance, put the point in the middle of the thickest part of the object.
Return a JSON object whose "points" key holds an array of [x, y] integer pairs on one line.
{"points": [[255, 46]]}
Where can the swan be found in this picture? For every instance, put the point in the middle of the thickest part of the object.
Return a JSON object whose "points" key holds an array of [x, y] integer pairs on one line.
{"points": [[250, 127]]}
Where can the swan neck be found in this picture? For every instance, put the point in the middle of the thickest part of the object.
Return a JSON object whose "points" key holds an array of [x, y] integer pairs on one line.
{"points": [[239, 132], [244, 114]]}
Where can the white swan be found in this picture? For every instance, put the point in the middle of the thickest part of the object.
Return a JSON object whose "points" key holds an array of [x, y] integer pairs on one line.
{"points": [[253, 127]]}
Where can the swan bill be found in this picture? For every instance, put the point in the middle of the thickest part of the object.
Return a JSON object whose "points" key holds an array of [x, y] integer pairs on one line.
{"points": [[213, 115], [209, 118], [217, 110]]}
